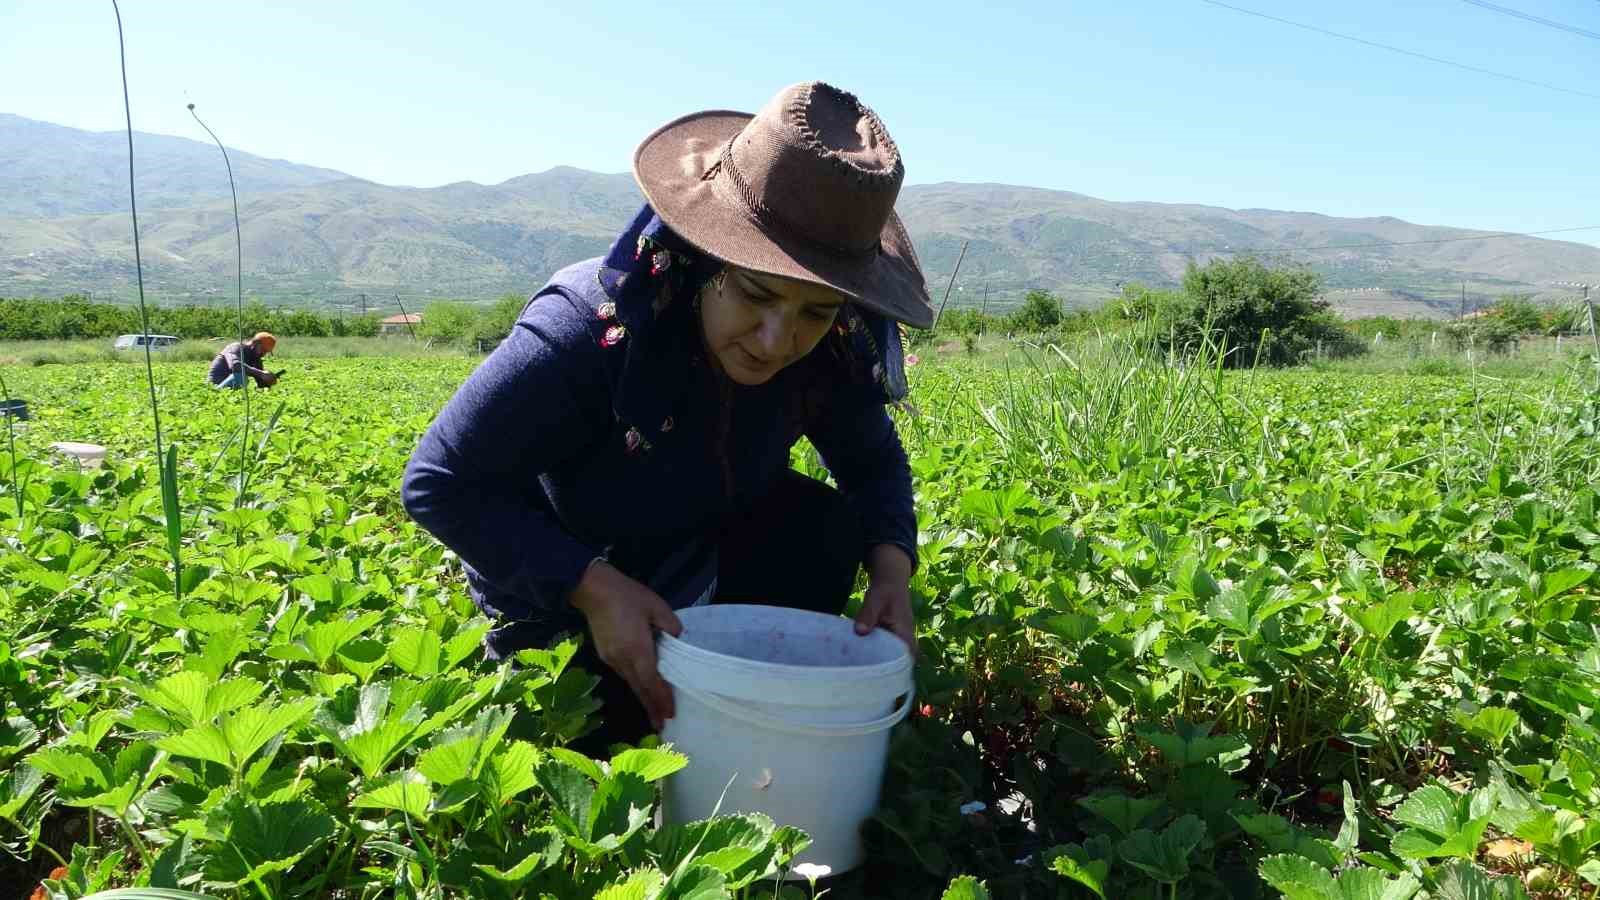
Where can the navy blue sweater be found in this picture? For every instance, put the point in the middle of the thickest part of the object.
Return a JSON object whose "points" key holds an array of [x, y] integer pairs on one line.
{"points": [[530, 471]]}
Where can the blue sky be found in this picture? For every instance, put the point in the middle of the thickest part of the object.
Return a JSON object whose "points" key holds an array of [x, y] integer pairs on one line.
{"points": [[1162, 100]]}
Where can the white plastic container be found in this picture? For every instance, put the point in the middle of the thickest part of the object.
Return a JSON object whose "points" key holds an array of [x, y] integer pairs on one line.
{"points": [[794, 709], [88, 456]]}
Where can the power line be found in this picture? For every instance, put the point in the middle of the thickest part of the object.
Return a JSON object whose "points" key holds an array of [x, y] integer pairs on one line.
{"points": [[1411, 53], [1528, 17], [1476, 237]]}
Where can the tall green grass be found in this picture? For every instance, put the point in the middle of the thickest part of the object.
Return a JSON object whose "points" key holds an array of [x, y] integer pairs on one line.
{"points": [[1108, 399]]}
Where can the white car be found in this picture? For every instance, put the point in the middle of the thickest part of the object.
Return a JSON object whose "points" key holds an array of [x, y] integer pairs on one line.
{"points": [[134, 341]]}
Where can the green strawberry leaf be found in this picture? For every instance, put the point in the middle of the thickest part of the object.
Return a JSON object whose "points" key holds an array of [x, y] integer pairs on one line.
{"points": [[651, 764], [1074, 863], [695, 883], [640, 885], [1165, 856], [538, 851], [1372, 884], [965, 888], [573, 794], [406, 792], [1298, 878], [416, 651], [267, 838], [1122, 811], [77, 772], [510, 772]]}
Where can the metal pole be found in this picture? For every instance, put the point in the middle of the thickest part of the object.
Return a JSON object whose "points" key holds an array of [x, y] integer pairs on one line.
{"points": [[947, 287], [1589, 305], [406, 317]]}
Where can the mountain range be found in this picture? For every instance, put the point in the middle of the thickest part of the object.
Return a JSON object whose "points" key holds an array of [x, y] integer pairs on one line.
{"points": [[319, 237]]}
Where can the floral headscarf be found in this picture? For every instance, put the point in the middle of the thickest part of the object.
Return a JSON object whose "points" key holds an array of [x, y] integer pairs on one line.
{"points": [[651, 276]]}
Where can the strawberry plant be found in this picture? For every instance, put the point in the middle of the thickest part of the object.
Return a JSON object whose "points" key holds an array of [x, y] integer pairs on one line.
{"points": [[1185, 633]]}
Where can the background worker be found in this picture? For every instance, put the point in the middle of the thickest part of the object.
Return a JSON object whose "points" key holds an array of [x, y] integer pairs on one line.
{"points": [[241, 358]]}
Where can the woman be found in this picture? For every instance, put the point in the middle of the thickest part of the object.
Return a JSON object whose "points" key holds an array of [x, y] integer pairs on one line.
{"points": [[624, 452]]}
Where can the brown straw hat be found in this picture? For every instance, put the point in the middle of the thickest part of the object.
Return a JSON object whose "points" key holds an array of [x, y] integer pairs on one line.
{"points": [[804, 189]]}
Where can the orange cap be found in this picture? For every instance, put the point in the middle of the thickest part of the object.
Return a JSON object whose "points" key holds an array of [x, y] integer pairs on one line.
{"points": [[264, 341]]}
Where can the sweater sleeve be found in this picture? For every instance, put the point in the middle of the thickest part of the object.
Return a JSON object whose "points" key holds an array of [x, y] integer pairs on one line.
{"points": [[252, 363], [537, 401], [859, 445]]}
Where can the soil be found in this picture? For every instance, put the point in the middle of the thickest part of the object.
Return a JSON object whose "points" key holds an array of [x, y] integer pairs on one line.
{"points": [[62, 828]]}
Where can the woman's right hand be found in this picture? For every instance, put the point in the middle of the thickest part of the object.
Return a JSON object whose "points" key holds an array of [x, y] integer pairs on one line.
{"points": [[623, 615]]}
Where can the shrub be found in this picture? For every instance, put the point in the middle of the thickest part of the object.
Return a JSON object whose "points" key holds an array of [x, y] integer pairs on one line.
{"points": [[361, 326], [1518, 313], [447, 320], [495, 321], [1259, 315], [1041, 311], [1563, 319]]}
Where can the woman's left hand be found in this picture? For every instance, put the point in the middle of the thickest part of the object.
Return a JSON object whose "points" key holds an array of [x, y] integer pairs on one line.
{"points": [[888, 599]]}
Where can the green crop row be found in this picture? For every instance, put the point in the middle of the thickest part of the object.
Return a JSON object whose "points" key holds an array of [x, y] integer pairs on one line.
{"points": [[1184, 633]]}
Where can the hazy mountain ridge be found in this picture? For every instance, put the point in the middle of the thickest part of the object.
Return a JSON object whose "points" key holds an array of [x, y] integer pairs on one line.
{"points": [[49, 170], [321, 236]]}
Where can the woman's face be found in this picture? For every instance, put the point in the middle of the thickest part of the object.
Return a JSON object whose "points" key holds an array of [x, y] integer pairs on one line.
{"points": [[756, 324]]}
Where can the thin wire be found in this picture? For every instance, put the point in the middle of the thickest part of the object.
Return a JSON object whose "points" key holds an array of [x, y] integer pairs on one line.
{"points": [[138, 261], [1527, 17], [1476, 237], [1411, 53], [238, 258]]}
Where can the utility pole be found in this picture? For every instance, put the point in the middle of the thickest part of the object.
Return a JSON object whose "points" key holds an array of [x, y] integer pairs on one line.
{"points": [[1463, 299], [406, 317], [363, 304]]}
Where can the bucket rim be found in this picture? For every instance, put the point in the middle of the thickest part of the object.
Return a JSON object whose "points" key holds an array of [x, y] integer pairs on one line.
{"points": [[671, 649]]}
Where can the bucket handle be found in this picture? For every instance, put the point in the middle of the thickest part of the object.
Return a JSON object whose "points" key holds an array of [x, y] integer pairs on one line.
{"points": [[773, 723]]}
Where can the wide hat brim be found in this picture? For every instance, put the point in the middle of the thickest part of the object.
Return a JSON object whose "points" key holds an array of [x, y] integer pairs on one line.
{"points": [[671, 165]]}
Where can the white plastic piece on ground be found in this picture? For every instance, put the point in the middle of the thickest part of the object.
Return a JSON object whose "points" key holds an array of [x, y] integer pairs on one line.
{"points": [[794, 709], [89, 456]]}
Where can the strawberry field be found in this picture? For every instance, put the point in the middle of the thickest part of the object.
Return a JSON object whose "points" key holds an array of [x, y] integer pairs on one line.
{"points": [[1184, 634]]}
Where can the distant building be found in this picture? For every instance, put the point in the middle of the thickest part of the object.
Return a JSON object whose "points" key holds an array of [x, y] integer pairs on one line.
{"points": [[400, 324]]}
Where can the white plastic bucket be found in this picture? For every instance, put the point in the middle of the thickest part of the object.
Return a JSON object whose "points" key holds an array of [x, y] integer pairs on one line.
{"points": [[794, 709], [88, 456]]}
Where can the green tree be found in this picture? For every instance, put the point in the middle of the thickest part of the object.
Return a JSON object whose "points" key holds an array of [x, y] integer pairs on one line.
{"points": [[362, 326], [1258, 314], [494, 321], [964, 321], [1041, 311], [1561, 319], [76, 316], [448, 320], [1519, 313]]}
